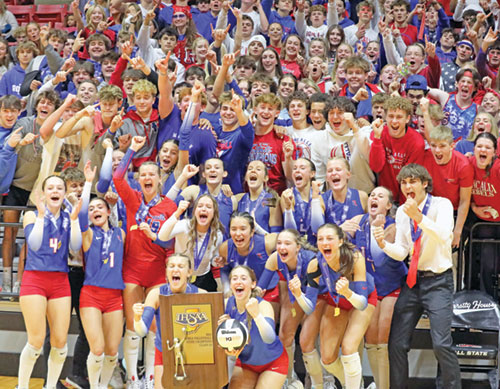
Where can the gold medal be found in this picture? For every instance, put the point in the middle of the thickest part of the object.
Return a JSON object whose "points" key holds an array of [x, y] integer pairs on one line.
{"points": [[294, 312], [337, 311]]}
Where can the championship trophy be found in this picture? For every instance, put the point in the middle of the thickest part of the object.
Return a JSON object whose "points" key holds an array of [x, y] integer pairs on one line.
{"points": [[191, 357]]}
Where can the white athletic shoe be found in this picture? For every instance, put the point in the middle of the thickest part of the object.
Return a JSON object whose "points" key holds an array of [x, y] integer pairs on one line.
{"points": [[134, 384], [372, 386], [295, 384], [148, 383], [329, 382]]}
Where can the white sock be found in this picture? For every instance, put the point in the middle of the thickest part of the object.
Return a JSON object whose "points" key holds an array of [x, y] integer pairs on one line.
{"points": [[7, 279], [57, 357], [336, 369], [312, 363], [231, 362], [352, 370], [149, 355], [27, 361], [94, 367], [383, 366], [290, 350], [108, 367], [372, 352], [131, 353]]}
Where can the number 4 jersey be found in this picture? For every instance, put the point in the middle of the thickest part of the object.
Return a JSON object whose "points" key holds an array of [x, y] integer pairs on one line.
{"points": [[53, 253]]}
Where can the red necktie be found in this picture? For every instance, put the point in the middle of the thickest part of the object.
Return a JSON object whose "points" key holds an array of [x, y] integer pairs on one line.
{"points": [[411, 279]]}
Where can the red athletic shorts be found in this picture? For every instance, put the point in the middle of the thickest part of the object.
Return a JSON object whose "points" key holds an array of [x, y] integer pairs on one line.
{"points": [[279, 365], [216, 272], [394, 293], [272, 295], [158, 357], [346, 305], [51, 284], [145, 274], [106, 300]]}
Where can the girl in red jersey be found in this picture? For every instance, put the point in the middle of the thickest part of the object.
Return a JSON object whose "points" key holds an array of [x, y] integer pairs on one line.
{"points": [[144, 260], [485, 203]]}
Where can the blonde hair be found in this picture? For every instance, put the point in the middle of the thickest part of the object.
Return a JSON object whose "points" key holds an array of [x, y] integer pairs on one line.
{"points": [[144, 86], [89, 13], [493, 122]]}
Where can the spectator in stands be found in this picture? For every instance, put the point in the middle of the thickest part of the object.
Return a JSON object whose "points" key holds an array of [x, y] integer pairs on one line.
{"points": [[8, 22], [11, 81], [395, 144]]}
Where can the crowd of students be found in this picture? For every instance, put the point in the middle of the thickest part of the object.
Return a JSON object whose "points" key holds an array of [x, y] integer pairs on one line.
{"points": [[254, 148]]}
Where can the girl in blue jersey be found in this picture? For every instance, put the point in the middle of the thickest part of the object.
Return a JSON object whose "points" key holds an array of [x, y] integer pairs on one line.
{"points": [[101, 302], [338, 275], [178, 274], [259, 201], [388, 274], [45, 291], [213, 172], [263, 362], [250, 249], [290, 260], [296, 201], [198, 237], [339, 203]]}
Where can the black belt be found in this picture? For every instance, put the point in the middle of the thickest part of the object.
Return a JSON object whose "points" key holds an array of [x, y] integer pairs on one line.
{"points": [[428, 273]]}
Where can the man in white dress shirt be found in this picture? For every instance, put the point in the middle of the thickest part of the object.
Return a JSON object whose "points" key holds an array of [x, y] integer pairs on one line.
{"points": [[424, 230]]}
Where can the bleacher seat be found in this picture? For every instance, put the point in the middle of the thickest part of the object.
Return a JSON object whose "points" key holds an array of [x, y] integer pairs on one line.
{"points": [[54, 13], [23, 13]]}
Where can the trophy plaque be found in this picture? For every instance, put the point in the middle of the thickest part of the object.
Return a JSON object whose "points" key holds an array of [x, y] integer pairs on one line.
{"points": [[191, 356]]}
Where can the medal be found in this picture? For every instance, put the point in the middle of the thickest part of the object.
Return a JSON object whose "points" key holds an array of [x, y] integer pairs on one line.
{"points": [[294, 312], [336, 312]]}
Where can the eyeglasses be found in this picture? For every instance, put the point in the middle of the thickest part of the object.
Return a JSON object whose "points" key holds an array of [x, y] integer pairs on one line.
{"points": [[178, 16]]}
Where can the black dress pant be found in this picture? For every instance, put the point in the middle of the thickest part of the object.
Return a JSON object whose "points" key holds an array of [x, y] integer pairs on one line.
{"points": [[433, 294]]}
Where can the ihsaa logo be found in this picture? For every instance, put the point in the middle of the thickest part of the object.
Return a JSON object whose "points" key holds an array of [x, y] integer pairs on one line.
{"points": [[192, 319]]}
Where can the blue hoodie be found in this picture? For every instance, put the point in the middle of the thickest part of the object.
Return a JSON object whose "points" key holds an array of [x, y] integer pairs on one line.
{"points": [[8, 158], [10, 84], [286, 22]]}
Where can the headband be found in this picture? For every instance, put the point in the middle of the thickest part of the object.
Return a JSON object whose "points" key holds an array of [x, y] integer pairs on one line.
{"points": [[466, 43]]}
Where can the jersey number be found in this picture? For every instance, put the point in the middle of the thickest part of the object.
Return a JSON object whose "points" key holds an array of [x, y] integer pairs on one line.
{"points": [[53, 243]]}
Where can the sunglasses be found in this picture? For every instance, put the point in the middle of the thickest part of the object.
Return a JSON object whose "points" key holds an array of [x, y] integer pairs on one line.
{"points": [[178, 16]]}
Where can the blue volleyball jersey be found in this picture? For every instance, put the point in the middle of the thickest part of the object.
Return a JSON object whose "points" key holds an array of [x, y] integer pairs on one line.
{"points": [[338, 213], [303, 258], [225, 207], [256, 259], [260, 208], [53, 253], [256, 352], [165, 291], [105, 271], [388, 273], [334, 276], [302, 216]]}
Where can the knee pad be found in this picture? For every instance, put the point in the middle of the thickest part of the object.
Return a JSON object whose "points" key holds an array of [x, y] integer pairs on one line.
{"points": [[352, 364], [32, 352], [58, 355], [131, 340], [312, 363]]}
